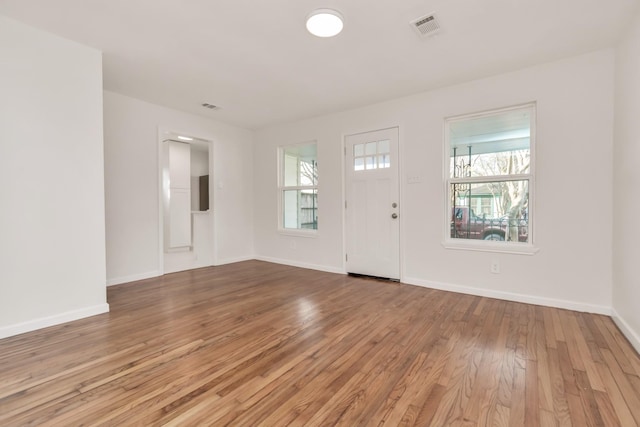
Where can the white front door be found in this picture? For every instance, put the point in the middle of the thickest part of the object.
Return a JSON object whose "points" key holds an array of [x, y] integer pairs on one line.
{"points": [[372, 204]]}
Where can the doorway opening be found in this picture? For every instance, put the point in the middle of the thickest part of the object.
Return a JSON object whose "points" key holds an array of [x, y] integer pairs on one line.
{"points": [[186, 202]]}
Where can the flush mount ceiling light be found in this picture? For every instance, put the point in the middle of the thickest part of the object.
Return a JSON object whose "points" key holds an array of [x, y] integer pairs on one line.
{"points": [[324, 23]]}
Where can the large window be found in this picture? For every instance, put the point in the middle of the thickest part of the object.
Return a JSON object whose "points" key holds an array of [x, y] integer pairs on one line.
{"points": [[489, 164], [298, 185]]}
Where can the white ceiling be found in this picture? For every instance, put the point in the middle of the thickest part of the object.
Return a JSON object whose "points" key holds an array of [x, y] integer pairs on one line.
{"points": [[255, 60]]}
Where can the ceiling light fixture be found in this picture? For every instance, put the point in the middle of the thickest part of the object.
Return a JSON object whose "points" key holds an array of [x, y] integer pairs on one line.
{"points": [[325, 23], [184, 138]]}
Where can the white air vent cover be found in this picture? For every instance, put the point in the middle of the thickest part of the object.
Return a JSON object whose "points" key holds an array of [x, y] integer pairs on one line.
{"points": [[426, 25]]}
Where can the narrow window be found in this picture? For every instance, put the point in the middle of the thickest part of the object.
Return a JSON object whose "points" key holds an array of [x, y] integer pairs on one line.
{"points": [[298, 186], [489, 162]]}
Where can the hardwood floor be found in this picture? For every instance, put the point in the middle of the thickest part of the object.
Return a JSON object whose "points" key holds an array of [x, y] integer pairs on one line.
{"points": [[253, 343]]}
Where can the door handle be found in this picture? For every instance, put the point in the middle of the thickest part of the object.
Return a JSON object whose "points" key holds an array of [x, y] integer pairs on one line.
{"points": [[394, 215]]}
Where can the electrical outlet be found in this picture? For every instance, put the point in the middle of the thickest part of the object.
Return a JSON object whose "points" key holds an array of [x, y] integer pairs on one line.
{"points": [[495, 267]]}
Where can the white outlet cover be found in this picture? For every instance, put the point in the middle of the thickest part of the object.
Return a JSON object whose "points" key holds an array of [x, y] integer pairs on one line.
{"points": [[495, 267]]}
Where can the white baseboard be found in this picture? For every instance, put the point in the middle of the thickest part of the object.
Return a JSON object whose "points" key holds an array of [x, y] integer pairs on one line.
{"points": [[151, 274], [629, 333], [45, 322], [509, 296], [301, 264], [132, 278], [233, 260]]}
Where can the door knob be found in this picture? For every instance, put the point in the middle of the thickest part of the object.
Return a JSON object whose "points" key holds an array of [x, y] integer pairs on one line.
{"points": [[394, 215]]}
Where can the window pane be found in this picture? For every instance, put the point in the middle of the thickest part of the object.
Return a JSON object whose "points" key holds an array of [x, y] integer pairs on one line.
{"points": [[358, 164], [383, 146], [491, 211], [300, 165], [290, 170], [308, 172], [492, 145], [370, 162], [383, 161], [358, 150], [371, 148], [290, 208], [300, 209]]}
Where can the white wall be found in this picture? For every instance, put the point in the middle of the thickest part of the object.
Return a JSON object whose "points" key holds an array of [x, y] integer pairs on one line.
{"points": [[51, 180], [573, 267], [626, 281], [132, 181]]}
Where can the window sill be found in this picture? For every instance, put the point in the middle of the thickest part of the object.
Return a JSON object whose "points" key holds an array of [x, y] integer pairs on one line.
{"points": [[482, 246], [298, 232]]}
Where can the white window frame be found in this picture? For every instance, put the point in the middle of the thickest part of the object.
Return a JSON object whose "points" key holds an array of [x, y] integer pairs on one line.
{"points": [[525, 248], [300, 232]]}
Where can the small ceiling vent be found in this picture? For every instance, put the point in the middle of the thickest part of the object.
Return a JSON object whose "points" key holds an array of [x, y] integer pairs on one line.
{"points": [[210, 106], [426, 25]]}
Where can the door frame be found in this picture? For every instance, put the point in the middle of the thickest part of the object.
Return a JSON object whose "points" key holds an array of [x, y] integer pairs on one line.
{"points": [[343, 150], [163, 134]]}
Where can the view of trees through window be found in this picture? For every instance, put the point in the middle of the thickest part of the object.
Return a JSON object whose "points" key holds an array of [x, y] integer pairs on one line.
{"points": [[489, 175], [299, 187]]}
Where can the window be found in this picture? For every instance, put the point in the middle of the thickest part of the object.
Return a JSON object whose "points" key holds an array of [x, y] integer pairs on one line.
{"points": [[489, 170], [371, 155], [298, 186]]}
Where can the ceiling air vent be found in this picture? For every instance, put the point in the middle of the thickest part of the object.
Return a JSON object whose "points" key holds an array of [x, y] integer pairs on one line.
{"points": [[426, 25], [210, 106]]}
